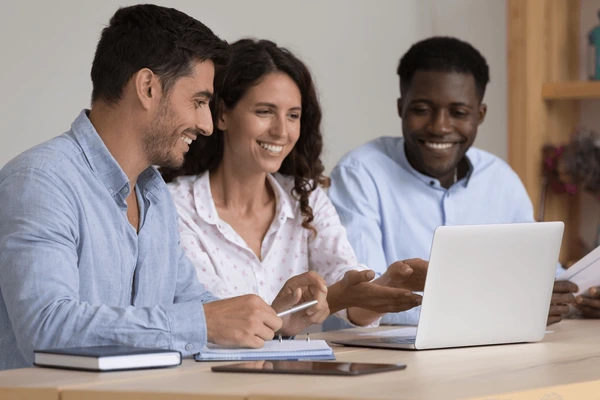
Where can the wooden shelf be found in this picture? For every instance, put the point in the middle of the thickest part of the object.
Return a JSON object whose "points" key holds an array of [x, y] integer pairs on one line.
{"points": [[543, 72], [571, 90]]}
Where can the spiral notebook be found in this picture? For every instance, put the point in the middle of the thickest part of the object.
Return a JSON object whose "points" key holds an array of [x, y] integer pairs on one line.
{"points": [[273, 350]]}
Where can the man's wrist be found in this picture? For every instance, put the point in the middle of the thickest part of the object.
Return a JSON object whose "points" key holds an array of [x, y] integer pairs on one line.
{"points": [[336, 299], [383, 280], [208, 322], [361, 317]]}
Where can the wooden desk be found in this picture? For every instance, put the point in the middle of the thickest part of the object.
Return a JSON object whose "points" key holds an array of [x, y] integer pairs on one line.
{"points": [[194, 381], [47, 383], [570, 355]]}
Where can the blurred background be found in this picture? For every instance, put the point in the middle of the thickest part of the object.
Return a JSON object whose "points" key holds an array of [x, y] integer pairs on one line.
{"points": [[352, 48]]}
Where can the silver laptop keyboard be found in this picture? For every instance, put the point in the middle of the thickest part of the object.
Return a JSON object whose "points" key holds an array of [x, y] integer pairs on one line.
{"points": [[397, 340]]}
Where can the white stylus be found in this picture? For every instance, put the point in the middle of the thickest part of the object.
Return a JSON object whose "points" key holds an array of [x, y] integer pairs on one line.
{"points": [[297, 308]]}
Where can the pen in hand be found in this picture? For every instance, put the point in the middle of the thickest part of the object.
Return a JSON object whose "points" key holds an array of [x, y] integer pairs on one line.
{"points": [[297, 308]]}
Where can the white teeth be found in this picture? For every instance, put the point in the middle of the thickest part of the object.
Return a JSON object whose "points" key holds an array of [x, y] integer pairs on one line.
{"points": [[439, 146], [271, 147], [187, 140]]}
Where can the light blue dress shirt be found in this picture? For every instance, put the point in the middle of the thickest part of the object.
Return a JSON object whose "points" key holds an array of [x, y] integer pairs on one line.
{"points": [[74, 272], [391, 211]]}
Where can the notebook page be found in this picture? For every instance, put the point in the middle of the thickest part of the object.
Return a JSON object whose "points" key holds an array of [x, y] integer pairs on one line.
{"points": [[273, 348]]}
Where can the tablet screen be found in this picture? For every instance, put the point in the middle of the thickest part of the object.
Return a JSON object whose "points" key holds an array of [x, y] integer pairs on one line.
{"points": [[308, 367]]}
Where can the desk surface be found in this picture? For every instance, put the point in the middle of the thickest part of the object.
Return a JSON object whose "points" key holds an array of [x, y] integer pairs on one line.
{"points": [[569, 355], [46, 383]]}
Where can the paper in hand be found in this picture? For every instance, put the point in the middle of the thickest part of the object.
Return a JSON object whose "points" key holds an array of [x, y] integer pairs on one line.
{"points": [[585, 273]]}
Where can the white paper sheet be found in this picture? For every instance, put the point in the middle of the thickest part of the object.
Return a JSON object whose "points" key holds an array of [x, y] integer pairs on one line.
{"points": [[585, 273]]}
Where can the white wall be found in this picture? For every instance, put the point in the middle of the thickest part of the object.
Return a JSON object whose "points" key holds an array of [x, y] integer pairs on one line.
{"points": [[352, 47], [483, 24]]}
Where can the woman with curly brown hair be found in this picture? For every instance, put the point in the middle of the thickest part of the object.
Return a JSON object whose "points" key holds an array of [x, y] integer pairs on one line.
{"points": [[252, 208]]}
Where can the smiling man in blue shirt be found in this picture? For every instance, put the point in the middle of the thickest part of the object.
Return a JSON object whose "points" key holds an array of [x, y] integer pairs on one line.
{"points": [[393, 192], [89, 241]]}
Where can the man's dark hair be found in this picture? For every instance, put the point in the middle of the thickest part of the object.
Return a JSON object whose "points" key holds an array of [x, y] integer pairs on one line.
{"points": [[164, 40], [444, 54]]}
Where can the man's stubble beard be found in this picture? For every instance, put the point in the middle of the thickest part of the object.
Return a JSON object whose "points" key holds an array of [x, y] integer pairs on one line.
{"points": [[159, 139]]}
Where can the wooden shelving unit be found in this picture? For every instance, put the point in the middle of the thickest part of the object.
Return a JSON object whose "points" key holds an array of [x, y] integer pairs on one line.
{"points": [[543, 67], [571, 90]]}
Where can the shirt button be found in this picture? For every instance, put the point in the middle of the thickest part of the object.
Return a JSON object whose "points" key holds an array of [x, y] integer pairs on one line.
{"points": [[189, 347], [110, 191], [431, 183]]}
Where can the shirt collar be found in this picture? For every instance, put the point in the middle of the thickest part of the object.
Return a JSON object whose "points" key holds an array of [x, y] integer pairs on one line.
{"points": [[284, 199], [403, 161], [203, 200], [205, 204], [101, 160]]}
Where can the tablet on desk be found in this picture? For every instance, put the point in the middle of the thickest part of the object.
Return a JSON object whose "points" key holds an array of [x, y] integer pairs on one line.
{"points": [[309, 367]]}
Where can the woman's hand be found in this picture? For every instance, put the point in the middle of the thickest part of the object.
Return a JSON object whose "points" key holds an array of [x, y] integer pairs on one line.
{"points": [[299, 289]]}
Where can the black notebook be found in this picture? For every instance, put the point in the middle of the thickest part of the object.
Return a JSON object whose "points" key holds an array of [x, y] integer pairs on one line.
{"points": [[106, 358]]}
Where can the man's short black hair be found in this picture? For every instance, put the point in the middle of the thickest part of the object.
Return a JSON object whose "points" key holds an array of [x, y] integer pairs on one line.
{"points": [[444, 54], [164, 40]]}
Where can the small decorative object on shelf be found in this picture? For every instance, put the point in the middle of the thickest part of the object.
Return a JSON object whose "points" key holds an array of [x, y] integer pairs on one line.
{"points": [[594, 47], [581, 161], [573, 166]]}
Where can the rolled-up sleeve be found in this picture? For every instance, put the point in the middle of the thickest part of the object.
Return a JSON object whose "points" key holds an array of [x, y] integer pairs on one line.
{"points": [[188, 322]]}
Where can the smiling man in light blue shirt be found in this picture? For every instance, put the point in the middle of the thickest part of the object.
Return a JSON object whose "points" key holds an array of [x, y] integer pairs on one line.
{"points": [[393, 192], [89, 240]]}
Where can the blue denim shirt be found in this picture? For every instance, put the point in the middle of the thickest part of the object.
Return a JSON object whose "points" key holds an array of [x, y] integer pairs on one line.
{"points": [[390, 210], [74, 272]]}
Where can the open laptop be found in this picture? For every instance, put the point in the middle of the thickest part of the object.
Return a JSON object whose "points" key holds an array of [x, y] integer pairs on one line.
{"points": [[486, 284]]}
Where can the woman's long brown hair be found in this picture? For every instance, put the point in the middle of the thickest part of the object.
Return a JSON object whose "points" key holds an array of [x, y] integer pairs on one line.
{"points": [[250, 61]]}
